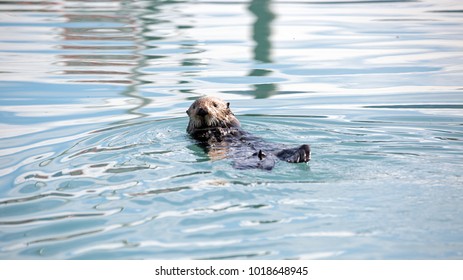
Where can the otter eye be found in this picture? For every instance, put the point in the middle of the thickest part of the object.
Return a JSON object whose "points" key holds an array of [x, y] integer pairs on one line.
{"points": [[215, 104], [194, 107]]}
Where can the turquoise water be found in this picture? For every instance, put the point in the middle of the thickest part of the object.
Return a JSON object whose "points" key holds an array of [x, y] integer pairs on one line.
{"points": [[95, 162]]}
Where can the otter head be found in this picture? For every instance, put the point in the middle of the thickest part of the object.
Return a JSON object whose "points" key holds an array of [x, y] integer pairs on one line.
{"points": [[210, 112]]}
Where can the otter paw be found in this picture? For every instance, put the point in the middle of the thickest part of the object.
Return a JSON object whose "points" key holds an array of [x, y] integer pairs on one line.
{"points": [[301, 154], [257, 160]]}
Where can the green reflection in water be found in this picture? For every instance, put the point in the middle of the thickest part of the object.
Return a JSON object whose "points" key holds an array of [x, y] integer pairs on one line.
{"points": [[261, 33]]}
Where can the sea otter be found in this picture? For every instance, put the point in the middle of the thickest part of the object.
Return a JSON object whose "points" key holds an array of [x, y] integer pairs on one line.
{"points": [[216, 128]]}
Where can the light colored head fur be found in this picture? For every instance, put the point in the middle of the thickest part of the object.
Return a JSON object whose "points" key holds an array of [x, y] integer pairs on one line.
{"points": [[210, 112]]}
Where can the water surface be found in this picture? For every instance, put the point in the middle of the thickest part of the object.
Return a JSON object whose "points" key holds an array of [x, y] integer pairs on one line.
{"points": [[95, 162]]}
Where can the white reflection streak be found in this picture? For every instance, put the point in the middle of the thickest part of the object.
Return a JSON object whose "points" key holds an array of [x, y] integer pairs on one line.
{"points": [[42, 143], [11, 169], [61, 139], [67, 109], [153, 243], [320, 255], [203, 228]]}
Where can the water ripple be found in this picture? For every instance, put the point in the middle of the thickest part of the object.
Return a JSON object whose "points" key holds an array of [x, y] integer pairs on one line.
{"points": [[95, 162], [56, 217]]}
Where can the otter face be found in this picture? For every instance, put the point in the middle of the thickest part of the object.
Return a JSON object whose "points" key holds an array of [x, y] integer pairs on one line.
{"points": [[210, 112]]}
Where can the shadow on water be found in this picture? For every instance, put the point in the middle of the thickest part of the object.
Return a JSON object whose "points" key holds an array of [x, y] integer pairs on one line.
{"points": [[261, 34]]}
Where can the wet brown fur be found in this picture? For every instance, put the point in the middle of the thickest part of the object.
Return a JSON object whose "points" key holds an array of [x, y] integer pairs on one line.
{"points": [[210, 112]]}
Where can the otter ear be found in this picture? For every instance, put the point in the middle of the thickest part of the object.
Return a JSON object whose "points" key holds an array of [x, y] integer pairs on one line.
{"points": [[228, 104]]}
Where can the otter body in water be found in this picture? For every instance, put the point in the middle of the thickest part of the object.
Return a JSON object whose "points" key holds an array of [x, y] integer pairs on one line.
{"points": [[217, 129]]}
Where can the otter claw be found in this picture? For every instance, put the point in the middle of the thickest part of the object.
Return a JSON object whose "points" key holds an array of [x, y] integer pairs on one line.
{"points": [[261, 155]]}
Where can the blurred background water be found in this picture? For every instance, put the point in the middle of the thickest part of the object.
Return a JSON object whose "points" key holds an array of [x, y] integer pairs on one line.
{"points": [[95, 162]]}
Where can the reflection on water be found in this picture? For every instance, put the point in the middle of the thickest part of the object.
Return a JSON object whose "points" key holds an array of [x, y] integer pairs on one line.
{"points": [[261, 30], [95, 162], [261, 33]]}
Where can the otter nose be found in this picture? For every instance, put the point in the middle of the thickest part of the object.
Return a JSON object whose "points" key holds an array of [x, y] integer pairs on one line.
{"points": [[202, 112]]}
